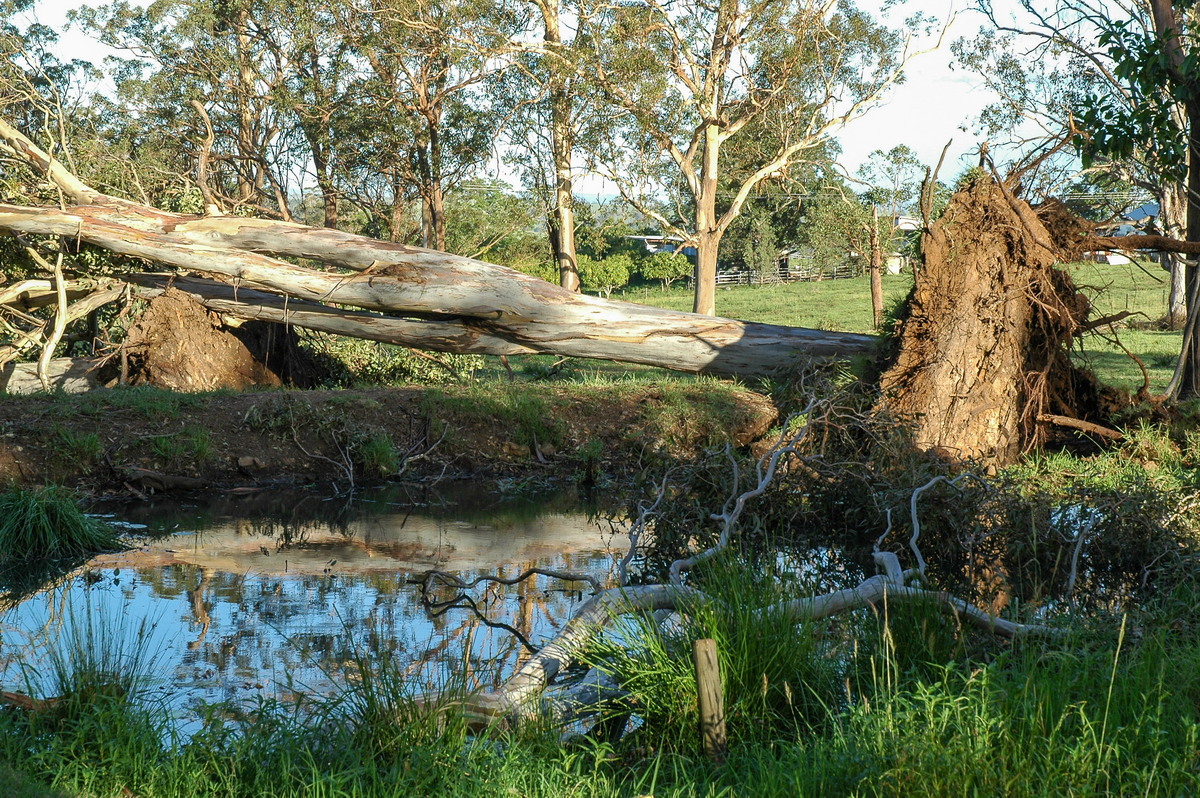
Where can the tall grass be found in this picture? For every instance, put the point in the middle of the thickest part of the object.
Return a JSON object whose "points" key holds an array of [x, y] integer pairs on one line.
{"points": [[46, 522], [877, 706], [92, 727]]}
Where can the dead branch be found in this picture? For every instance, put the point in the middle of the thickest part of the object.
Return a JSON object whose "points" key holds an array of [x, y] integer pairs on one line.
{"points": [[765, 472], [428, 578], [1083, 426]]}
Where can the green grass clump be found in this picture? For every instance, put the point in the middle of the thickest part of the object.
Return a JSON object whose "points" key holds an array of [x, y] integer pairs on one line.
{"points": [[777, 675], [377, 455], [192, 444], [81, 447], [45, 522]]}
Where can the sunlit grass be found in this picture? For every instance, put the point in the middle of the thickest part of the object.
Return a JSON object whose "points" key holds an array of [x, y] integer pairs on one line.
{"points": [[843, 304], [846, 712], [1140, 288]]}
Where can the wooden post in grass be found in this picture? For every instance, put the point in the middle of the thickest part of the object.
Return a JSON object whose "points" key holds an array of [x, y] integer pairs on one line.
{"points": [[711, 698]]}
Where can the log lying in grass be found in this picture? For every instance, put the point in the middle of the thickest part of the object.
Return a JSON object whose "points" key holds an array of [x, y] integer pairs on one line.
{"points": [[421, 298]]}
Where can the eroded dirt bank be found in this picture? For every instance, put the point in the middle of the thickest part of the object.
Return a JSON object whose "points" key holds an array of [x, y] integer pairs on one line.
{"points": [[150, 440]]}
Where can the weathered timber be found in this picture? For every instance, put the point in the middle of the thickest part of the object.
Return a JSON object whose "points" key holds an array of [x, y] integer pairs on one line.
{"points": [[70, 375], [421, 298], [710, 698], [464, 305]]}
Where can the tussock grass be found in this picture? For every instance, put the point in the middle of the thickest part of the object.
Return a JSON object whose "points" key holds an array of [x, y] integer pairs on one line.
{"points": [[45, 523]]}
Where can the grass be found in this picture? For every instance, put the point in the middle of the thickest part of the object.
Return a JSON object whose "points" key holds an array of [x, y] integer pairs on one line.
{"points": [[824, 304], [82, 447], [1141, 288], [681, 414], [45, 523], [146, 401], [845, 305], [192, 444], [377, 455], [861, 707]]}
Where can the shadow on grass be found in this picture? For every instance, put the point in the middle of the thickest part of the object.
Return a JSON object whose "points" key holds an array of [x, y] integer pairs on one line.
{"points": [[15, 784]]}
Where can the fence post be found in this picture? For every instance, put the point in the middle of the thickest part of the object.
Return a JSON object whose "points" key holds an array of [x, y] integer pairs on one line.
{"points": [[710, 697]]}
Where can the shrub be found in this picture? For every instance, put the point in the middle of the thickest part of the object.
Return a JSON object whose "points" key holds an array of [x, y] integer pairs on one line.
{"points": [[666, 267], [605, 276], [542, 269], [353, 361]]}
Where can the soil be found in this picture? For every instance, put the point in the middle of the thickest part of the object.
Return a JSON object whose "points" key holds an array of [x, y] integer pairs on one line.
{"points": [[179, 345], [145, 440], [983, 354]]}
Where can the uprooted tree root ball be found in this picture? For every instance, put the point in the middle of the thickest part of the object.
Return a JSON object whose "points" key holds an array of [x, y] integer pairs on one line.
{"points": [[983, 356]]}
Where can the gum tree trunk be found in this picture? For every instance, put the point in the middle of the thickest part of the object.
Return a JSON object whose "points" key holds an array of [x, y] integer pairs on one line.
{"points": [[424, 298]]}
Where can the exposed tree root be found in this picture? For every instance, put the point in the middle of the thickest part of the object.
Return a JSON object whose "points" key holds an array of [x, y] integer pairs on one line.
{"points": [[984, 354]]}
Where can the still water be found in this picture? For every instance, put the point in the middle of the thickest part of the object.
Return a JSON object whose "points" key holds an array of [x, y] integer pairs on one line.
{"points": [[270, 595]]}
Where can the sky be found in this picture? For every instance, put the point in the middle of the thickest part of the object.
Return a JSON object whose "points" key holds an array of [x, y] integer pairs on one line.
{"points": [[935, 105]]}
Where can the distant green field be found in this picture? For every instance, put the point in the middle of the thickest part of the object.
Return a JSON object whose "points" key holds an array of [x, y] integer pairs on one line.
{"points": [[825, 304], [846, 305], [1140, 287]]}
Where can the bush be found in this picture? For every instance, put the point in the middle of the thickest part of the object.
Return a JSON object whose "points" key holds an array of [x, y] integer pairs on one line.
{"points": [[347, 362], [542, 269], [605, 276], [666, 267]]}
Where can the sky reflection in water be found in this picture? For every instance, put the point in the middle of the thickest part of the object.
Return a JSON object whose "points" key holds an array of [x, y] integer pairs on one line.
{"points": [[265, 596]]}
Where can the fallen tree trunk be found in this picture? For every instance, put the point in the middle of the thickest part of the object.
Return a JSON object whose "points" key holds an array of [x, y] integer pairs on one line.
{"points": [[419, 298], [474, 306]]}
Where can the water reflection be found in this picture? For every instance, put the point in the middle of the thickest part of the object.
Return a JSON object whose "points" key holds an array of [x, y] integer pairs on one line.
{"points": [[279, 593]]}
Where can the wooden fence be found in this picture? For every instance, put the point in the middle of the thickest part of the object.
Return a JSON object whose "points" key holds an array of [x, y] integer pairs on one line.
{"points": [[785, 275]]}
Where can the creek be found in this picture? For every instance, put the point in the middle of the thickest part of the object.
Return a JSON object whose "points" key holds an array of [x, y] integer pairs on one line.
{"points": [[281, 594]]}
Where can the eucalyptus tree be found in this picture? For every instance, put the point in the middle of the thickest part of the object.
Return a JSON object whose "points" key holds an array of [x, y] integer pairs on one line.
{"points": [[684, 78], [319, 69], [203, 68], [892, 180], [38, 90], [550, 101], [429, 63], [1157, 111]]}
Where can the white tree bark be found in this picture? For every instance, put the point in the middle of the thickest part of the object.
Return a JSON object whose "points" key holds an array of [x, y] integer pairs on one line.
{"points": [[431, 299], [420, 298]]}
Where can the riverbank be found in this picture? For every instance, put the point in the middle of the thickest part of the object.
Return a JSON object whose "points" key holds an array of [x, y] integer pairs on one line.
{"points": [[144, 440]]}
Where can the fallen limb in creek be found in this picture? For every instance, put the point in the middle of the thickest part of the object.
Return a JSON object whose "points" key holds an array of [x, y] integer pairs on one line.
{"points": [[527, 693]]}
